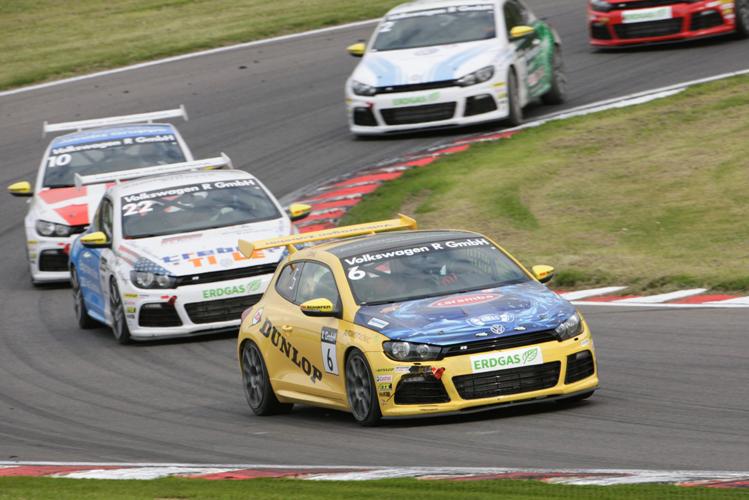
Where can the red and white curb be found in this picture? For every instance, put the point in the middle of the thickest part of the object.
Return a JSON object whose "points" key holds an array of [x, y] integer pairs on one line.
{"points": [[693, 298], [601, 477]]}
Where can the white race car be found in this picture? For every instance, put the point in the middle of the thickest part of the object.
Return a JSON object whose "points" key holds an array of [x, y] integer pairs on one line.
{"points": [[160, 258], [447, 63], [58, 209]]}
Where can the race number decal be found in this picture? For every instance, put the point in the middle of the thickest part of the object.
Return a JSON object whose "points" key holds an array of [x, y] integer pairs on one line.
{"points": [[328, 338], [138, 208]]}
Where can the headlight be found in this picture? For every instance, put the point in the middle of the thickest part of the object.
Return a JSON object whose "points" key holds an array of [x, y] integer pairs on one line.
{"points": [[601, 5], [570, 328], [407, 351], [144, 279], [51, 229], [479, 76], [360, 88]]}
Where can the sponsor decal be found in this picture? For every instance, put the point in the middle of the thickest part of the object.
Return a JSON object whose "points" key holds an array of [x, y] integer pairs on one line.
{"points": [[257, 317], [65, 151], [192, 188], [465, 300], [422, 99], [497, 329], [377, 323], [292, 353], [328, 337], [504, 360], [402, 369], [383, 378], [131, 295], [130, 310], [440, 11], [384, 387], [485, 319], [227, 291], [211, 257], [643, 15]]}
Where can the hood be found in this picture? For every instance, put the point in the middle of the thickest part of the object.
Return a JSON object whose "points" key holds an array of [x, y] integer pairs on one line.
{"points": [[205, 251], [70, 205], [453, 319], [425, 64]]}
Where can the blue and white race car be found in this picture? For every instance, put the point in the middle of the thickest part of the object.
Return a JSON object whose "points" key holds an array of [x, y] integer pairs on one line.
{"points": [[447, 63], [58, 209], [160, 258]]}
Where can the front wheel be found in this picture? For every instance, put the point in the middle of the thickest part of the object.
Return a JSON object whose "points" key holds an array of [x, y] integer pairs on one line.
{"points": [[742, 18], [256, 382], [360, 389], [119, 322], [558, 91], [515, 116], [79, 305]]}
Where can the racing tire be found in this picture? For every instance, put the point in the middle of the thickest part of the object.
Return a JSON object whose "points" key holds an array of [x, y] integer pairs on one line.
{"points": [[742, 18], [119, 322], [515, 116], [256, 382], [85, 322], [577, 399], [558, 91], [361, 391]]}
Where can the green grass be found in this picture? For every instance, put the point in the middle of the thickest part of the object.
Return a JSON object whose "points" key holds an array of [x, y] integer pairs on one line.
{"points": [[45, 39], [172, 488], [653, 196]]}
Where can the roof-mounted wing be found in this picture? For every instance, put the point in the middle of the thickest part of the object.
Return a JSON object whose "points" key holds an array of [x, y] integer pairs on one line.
{"points": [[219, 162], [116, 120], [402, 222]]}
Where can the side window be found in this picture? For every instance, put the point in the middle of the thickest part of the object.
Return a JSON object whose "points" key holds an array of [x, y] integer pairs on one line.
{"points": [[287, 281], [317, 282], [105, 223], [513, 15]]}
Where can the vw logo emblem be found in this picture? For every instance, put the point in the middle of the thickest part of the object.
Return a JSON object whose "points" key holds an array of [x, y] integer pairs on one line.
{"points": [[498, 329]]}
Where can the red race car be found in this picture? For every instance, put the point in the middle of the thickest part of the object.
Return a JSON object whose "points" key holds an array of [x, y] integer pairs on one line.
{"points": [[616, 23]]}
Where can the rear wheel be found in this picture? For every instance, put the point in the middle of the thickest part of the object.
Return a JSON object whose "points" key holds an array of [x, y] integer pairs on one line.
{"points": [[742, 18], [360, 389], [256, 382], [515, 117], [81, 313], [558, 91], [119, 322]]}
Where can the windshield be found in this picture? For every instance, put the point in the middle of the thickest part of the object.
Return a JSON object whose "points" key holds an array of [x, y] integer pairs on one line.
{"points": [[195, 207], [109, 156], [443, 26], [429, 270]]}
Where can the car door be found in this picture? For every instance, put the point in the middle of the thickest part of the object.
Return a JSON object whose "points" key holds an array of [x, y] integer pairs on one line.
{"points": [[529, 50], [92, 261], [317, 337]]}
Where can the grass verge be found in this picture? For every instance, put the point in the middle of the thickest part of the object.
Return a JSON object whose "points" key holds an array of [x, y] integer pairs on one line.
{"points": [[45, 39], [654, 196], [172, 488]]}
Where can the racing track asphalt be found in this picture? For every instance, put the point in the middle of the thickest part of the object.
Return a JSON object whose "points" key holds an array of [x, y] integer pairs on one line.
{"points": [[674, 381]]}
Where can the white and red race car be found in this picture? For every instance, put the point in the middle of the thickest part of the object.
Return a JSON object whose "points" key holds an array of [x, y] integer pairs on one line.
{"points": [[58, 209]]}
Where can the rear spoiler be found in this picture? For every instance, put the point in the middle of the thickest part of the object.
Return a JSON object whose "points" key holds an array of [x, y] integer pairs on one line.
{"points": [[402, 222], [115, 120], [216, 163]]}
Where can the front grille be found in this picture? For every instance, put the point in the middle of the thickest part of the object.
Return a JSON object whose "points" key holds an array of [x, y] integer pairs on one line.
{"points": [[158, 315], [213, 311], [415, 87], [420, 390], [706, 20], [579, 366], [650, 28], [419, 114], [505, 382], [53, 260], [364, 117], [480, 104], [230, 274], [644, 4], [600, 32], [500, 343]]}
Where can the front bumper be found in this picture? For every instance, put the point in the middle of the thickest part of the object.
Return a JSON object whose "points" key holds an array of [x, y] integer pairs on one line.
{"points": [[426, 109], [190, 310], [568, 368], [675, 22], [48, 258]]}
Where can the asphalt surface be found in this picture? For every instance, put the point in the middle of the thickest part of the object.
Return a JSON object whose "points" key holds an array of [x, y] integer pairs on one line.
{"points": [[674, 382]]}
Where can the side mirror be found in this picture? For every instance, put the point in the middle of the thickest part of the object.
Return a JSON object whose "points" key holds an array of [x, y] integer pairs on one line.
{"points": [[22, 188], [95, 240], [357, 50], [521, 32], [318, 308], [298, 211], [544, 274]]}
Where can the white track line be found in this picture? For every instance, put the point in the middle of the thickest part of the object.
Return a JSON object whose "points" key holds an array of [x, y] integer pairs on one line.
{"points": [[143, 472], [593, 292], [190, 55], [739, 301], [661, 298]]}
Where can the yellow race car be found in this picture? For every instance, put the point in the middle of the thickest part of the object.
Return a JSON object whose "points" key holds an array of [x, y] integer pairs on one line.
{"points": [[396, 324]]}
